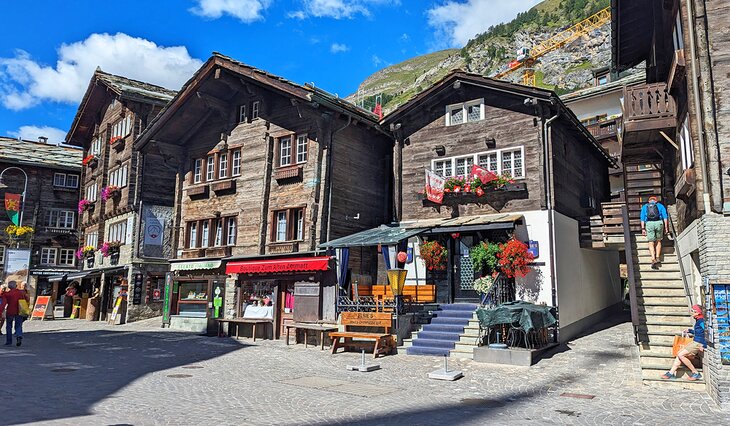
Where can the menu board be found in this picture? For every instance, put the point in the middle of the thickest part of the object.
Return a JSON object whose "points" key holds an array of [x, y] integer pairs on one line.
{"points": [[721, 295], [40, 309]]}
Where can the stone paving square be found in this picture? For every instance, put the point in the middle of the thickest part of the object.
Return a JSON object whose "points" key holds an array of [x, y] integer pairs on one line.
{"points": [[72, 372]]}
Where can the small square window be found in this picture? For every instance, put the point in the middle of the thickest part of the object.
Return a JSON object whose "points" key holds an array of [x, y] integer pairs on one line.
{"points": [[285, 151], [255, 110], [236, 166], [242, 114], [302, 143]]}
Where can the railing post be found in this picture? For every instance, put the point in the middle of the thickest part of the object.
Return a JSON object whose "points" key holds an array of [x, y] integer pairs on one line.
{"points": [[628, 244]]}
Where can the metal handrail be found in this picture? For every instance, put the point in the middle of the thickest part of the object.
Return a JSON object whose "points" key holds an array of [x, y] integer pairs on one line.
{"points": [[679, 260]]}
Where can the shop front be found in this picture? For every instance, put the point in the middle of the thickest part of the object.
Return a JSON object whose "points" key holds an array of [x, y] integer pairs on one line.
{"points": [[74, 295], [197, 295], [283, 290]]}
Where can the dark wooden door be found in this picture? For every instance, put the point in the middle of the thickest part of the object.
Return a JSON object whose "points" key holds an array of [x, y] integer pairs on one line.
{"points": [[463, 276], [642, 181]]}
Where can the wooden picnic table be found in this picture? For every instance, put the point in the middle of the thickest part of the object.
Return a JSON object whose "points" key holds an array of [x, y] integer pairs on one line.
{"points": [[239, 321], [306, 327]]}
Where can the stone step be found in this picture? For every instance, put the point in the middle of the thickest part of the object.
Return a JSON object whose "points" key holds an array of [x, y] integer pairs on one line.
{"points": [[645, 266], [468, 339], [679, 320], [655, 371], [698, 386], [463, 353], [644, 251], [662, 301], [656, 350], [433, 343], [661, 339], [664, 310], [659, 275], [661, 328], [661, 284], [415, 350], [661, 292]]}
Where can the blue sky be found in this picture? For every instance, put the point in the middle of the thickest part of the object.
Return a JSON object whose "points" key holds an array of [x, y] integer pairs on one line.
{"points": [[49, 49]]}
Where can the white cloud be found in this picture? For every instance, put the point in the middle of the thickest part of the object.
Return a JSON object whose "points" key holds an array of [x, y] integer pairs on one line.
{"points": [[378, 61], [32, 133], [337, 9], [244, 10], [457, 21], [25, 82], [339, 48]]}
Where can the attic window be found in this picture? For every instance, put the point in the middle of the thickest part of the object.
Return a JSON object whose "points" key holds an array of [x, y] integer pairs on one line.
{"points": [[466, 112]]}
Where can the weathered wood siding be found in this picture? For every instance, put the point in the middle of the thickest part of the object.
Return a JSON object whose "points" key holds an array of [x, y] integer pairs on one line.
{"points": [[509, 129]]}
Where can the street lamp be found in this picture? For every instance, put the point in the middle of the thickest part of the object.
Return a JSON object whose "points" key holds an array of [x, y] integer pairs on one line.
{"points": [[25, 188]]}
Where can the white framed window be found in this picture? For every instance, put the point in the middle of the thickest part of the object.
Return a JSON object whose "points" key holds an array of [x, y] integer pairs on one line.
{"points": [[236, 160], [205, 235], [255, 110], [302, 145], [298, 222], [285, 151], [66, 257], [91, 192], [96, 146], [222, 165], [65, 180], [48, 255], [123, 127], [60, 218], [677, 36], [281, 226], [218, 241], [685, 140], [210, 168], [463, 165], [118, 176], [193, 235], [242, 114], [466, 112], [198, 171], [508, 161], [92, 239], [231, 232], [118, 232]]}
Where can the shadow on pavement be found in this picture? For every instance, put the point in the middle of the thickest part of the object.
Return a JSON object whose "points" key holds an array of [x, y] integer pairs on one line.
{"points": [[61, 374]]}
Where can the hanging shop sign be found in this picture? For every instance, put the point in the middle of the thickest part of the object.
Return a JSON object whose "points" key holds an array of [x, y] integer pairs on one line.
{"points": [[194, 266], [137, 291], [16, 265], [297, 264]]}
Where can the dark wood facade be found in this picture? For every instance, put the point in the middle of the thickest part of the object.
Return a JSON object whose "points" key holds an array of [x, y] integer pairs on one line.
{"points": [[113, 112], [53, 173]]}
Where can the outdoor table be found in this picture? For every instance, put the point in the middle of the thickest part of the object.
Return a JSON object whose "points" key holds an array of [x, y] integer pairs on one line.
{"points": [[525, 316]]}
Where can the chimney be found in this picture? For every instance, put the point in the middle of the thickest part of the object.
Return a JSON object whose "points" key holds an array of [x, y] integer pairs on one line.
{"points": [[42, 139]]}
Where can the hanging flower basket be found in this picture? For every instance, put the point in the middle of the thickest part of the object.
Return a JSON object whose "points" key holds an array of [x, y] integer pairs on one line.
{"points": [[19, 231], [111, 191], [84, 205], [90, 160], [514, 259], [434, 255], [110, 248]]}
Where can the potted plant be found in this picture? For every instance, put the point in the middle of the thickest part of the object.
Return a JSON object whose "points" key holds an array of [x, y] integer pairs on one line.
{"points": [[111, 250], [117, 142], [86, 252], [111, 191], [484, 257], [434, 255], [16, 232], [84, 205], [483, 285], [90, 160], [514, 258]]}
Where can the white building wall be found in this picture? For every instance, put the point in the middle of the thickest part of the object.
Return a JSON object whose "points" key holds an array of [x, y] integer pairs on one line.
{"points": [[588, 280], [536, 286]]}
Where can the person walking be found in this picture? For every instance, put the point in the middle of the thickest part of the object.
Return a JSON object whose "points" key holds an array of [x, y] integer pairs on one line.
{"points": [[654, 222], [3, 289], [692, 349], [13, 320]]}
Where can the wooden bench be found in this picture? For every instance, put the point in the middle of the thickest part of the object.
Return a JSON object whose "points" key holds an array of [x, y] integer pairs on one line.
{"points": [[413, 293], [306, 327], [238, 321], [384, 342]]}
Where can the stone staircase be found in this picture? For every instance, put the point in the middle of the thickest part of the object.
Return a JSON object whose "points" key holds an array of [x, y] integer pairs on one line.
{"points": [[452, 331], [663, 313]]}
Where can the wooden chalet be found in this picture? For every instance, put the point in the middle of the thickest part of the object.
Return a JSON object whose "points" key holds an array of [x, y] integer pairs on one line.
{"points": [[267, 170], [121, 220]]}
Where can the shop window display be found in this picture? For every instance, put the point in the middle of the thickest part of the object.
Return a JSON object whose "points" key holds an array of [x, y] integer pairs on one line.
{"points": [[193, 299]]}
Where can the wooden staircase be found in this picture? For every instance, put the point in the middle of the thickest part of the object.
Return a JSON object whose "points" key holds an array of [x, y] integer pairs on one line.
{"points": [[663, 313]]}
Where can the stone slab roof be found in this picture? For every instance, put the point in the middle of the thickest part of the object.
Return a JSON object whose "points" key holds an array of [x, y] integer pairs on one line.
{"points": [[38, 154]]}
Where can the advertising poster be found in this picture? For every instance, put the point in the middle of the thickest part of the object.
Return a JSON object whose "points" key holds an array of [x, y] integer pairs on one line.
{"points": [[16, 265]]}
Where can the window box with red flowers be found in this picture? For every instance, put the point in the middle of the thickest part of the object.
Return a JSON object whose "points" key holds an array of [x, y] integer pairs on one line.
{"points": [[90, 160], [117, 142], [434, 255], [85, 205], [476, 188], [111, 191]]}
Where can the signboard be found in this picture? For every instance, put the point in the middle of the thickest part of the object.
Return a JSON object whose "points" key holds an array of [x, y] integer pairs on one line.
{"points": [[534, 248], [193, 266], [721, 302], [40, 309], [115, 312], [16, 265], [137, 290], [168, 295], [153, 228], [434, 187]]}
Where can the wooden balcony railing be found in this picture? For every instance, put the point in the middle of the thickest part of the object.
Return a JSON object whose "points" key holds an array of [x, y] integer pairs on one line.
{"points": [[605, 128], [648, 101]]}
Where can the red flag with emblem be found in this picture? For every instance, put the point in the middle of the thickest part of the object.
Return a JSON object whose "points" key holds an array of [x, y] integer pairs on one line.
{"points": [[12, 207]]}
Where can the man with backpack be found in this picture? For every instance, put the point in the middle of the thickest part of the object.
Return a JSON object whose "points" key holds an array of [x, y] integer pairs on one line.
{"points": [[654, 221]]}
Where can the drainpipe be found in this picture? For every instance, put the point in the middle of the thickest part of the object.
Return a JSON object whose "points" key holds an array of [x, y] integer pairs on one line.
{"points": [[329, 173], [547, 170], [698, 109]]}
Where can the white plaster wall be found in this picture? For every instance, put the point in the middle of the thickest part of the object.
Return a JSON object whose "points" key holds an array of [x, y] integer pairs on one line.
{"points": [[609, 104], [588, 280], [536, 287], [416, 268]]}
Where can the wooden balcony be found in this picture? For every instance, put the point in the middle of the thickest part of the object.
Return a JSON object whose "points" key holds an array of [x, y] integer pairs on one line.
{"points": [[604, 231], [648, 110], [605, 129], [677, 70]]}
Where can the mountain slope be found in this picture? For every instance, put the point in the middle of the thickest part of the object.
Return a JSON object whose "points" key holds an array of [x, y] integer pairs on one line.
{"points": [[564, 70]]}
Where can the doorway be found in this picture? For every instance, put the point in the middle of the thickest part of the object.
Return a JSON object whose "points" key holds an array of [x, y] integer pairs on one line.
{"points": [[463, 277]]}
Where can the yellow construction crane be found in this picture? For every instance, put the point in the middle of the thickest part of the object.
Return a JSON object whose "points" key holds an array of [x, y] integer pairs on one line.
{"points": [[526, 60]]}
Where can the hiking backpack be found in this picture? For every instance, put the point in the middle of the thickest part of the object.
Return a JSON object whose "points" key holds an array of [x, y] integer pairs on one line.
{"points": [[652, 212]]}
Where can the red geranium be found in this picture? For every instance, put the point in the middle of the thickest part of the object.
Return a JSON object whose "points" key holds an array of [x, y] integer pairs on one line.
{"points": [[434, 255], [514, 258]]}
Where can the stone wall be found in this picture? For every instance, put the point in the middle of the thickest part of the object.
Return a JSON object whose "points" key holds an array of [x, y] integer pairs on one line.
{"points": [[713, 235]]}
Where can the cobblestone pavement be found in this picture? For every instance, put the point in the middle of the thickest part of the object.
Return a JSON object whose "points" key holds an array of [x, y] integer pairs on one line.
{"points": [[75, 372]]}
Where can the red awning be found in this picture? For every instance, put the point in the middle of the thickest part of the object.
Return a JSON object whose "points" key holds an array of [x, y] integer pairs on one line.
{"points": [[294, 264]]}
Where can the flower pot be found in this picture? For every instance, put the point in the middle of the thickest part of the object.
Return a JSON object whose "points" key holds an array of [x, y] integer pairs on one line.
{"points": [[89, 262]]}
